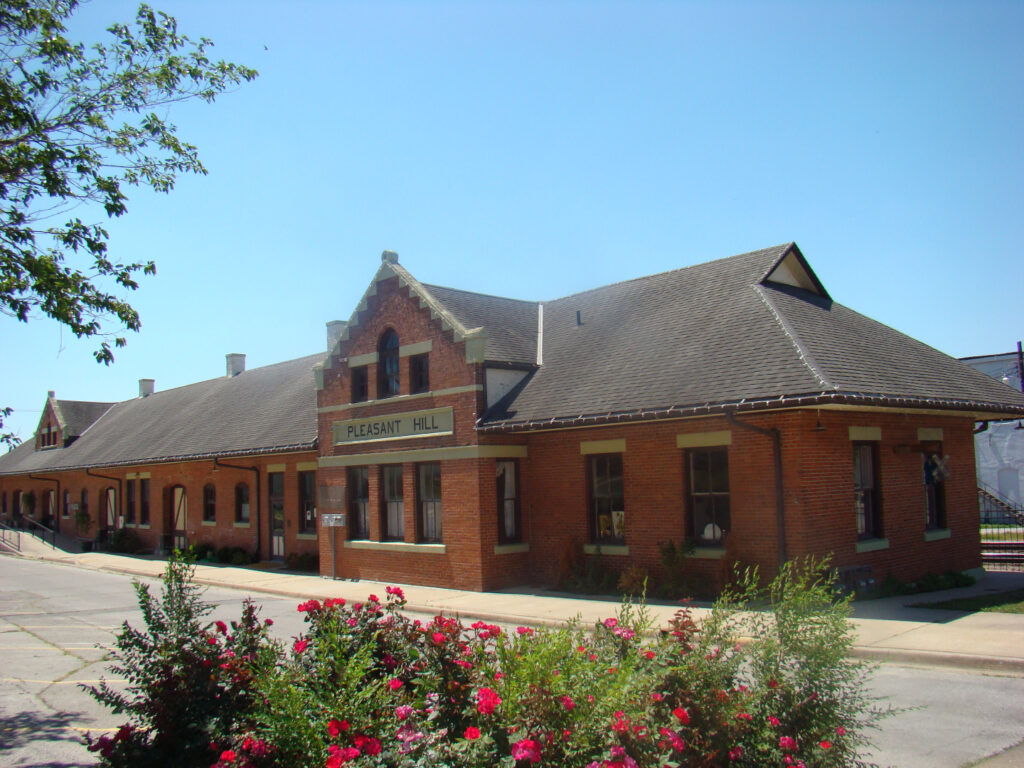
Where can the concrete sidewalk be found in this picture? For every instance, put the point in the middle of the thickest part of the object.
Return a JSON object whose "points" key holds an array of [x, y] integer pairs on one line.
{"points": [[885, 630]]}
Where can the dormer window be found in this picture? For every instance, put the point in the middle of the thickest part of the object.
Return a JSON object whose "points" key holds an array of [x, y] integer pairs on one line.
{"points": [[387, 364]]}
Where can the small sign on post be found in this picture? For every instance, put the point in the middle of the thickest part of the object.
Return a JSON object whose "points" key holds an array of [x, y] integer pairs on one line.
{"points": [[333, 519]]}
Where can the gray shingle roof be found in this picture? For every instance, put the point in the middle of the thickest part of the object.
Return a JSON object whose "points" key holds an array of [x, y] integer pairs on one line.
{"points": [[75, 416], [511, 324], [258, 411], [718, 334]]}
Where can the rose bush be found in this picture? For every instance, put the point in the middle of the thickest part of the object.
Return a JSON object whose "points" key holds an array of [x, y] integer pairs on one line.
{"points": [[368, 685]]}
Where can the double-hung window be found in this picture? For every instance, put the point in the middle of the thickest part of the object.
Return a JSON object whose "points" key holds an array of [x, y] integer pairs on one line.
{"points": [[307, 501], [934, 471], [708, 475], [428, 498], [507, 477], [387, 364], [607, 502], [392, 502], [358, 503], [867, 500], [360, 384], [129, 502], [242, 503], [144, 501], [419, 373], [209, 503]]}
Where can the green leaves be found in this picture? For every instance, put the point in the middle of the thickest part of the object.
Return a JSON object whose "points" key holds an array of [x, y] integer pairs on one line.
{"points": [[77, 127]]}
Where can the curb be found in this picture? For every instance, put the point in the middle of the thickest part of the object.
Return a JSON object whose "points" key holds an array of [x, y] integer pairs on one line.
{"points": [[995, 664]]}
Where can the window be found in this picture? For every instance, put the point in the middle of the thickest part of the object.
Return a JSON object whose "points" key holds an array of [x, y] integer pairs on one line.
{"points": [[83, 506], [358, 503], [607, 506], [209, 503], [129, 502], [242, 503], [3, 503], [360, 384], [392, 502], [16, 504], [419, 373], [508, 501], [709, 494], [50, 506], [387, 364], [109, 500], [144, 501], [307, 502], [865, 488], [65, 504], [934, 468], [428, 491]]}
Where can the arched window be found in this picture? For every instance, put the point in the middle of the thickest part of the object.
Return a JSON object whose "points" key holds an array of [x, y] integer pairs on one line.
{"points": [[241, 503], [209, 503], [387, 364]]}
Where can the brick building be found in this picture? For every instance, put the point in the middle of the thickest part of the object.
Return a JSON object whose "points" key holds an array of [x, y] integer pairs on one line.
{"points": [[230, 462], [472, 441]]}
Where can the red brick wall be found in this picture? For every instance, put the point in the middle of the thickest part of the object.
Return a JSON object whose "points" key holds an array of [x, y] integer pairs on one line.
{"points": [[193, 476]]}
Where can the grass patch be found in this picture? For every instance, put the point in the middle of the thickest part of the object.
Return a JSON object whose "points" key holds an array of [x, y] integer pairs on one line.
{"points": [[1002, 602]]}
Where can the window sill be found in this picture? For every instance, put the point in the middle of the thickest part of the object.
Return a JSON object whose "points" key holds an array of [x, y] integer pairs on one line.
{"points": [[937, 534], [396, 546], [708, 553], [246, 524], [872, 545], [209, 523], [620, 550], [144, 526], [305, 536], [510, 549]]}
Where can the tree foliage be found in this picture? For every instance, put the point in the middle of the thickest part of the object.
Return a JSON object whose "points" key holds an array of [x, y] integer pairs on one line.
{"points": [[79, 125]]}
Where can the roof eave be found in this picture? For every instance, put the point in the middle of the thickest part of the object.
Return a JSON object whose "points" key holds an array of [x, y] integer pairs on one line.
{"points": [[978, 409]]}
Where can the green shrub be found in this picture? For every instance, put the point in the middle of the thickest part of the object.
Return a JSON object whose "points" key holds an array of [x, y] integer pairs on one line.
{"points": [[126, 541], [303, 561], [745, 688]]}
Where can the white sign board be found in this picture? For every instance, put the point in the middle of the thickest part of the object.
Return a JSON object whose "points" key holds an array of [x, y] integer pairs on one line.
{"points": [[334, 520]]}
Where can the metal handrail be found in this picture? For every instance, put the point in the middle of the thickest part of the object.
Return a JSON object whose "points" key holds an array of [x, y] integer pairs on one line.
{"points": [[42, 537], [10, 536], [989, 490]]}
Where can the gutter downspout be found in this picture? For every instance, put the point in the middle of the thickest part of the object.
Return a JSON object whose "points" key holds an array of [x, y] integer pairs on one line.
{"points": [[56, 512], [120, 490], [218, 463], [780, 503]]}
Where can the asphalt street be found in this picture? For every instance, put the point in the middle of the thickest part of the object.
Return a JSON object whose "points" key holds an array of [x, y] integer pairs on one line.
{"points": [[57, 622]]}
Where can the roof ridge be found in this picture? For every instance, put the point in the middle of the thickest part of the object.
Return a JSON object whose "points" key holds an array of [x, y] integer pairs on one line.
{"points": [[783, 246], [805, 356]]}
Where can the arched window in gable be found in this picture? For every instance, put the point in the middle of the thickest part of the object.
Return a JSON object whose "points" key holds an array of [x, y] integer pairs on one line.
{"points": [[387, 364]]}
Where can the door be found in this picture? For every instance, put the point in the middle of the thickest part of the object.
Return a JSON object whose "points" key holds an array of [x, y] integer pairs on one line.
{"points": [[179, 512]]}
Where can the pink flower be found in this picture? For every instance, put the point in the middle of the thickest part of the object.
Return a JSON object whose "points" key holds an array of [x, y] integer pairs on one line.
{"points": [[438, 638], [228, 755], [374, 599], [309, 605], [681, 715], [648, 654], [656, 696], [366, 744], [611, 623], [403, 711], [269, 622], [773, 720], [395, 592], [472, 733], [621, 724], [745, 716], [486, 701], [336, 727], [825, 744], [840, 731], [736, 753], [787, 743], [300, 645], [526, 749], [394, 684], [568, 704], [221, 627], [524, 631]]}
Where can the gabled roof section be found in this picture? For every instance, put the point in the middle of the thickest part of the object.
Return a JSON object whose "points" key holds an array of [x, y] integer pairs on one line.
{"points": [[502, 330], [510, 324], [262, 410], [389, 268], [757, 330], [76, 416]]}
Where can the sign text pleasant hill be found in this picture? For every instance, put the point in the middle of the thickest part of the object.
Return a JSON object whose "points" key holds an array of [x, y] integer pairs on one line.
{"points": [[394, 426]]}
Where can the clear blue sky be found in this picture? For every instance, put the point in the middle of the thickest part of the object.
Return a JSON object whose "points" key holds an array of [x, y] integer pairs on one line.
{"points": [[535, 149]]}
